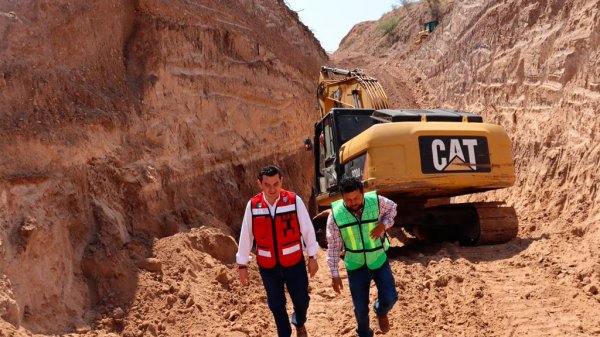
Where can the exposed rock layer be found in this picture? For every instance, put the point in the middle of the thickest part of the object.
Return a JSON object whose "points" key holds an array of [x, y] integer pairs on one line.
{"points": [[126, 121]]}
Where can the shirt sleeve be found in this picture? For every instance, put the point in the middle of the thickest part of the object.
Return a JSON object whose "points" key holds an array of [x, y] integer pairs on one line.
{"points": [[246, 238], [334, 246], [387, 211], [306, 228]]}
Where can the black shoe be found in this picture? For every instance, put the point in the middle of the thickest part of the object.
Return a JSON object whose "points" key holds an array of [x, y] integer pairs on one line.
{"points": [[301, 332], [384, 323]]}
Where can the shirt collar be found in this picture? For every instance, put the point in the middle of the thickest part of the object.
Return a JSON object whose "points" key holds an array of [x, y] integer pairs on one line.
{"points": [[267, 201]]}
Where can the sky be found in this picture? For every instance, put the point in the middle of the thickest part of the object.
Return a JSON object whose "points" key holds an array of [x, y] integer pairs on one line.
{"points": [[331, 20]]}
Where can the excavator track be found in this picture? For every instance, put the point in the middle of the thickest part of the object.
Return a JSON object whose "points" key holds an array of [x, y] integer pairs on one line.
{"points": [[485, 223], [496, 224]]}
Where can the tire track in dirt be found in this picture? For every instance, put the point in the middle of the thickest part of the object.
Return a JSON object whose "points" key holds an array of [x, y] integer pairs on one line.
{"points": [[535, 298], [525, 308]]}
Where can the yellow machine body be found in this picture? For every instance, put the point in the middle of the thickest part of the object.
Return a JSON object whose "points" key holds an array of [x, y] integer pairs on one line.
{"points": [[393, 162], [416, 157]]}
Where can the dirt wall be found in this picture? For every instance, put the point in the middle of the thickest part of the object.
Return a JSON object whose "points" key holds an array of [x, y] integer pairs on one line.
{"points": [[126, 121]]}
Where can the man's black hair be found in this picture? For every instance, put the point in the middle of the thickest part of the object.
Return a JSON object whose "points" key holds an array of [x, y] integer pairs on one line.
{"points": [[270, 171], [350, 184]]}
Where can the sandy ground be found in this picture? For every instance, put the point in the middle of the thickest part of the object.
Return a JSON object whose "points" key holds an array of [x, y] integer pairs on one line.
{"points": [[535, 285], [520, 288]]}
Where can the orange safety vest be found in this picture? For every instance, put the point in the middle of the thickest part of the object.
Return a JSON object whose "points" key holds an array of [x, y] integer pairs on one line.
{"points": [[277, 238]]}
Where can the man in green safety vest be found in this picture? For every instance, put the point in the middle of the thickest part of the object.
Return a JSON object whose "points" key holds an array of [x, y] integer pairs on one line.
{"points": [[357, 223]]}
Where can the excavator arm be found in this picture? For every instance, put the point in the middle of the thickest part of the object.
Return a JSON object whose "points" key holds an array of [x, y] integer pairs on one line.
{"points": [[340, 88]]}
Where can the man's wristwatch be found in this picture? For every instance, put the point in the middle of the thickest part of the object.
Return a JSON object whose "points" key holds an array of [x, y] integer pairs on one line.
{"points": [[312, 257]]}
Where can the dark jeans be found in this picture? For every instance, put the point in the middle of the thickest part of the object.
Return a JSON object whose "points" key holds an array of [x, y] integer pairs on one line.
{"points": [[360, 281], [296, 280]]}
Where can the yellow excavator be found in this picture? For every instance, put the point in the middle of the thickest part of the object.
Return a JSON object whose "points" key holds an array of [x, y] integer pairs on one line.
{"points": [[428, 28], [418, 158]]}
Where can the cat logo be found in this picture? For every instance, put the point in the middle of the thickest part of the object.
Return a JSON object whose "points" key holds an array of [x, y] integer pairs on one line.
{"points": [[446, 154]]}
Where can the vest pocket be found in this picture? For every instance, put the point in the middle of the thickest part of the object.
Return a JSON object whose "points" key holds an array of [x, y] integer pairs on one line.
{"points": [[376, 259], [265, 257], [291, 254], [291, 249], [354, 260]]}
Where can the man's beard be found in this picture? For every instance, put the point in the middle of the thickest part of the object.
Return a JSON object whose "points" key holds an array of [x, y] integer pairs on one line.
{"points": [[357, 208]]}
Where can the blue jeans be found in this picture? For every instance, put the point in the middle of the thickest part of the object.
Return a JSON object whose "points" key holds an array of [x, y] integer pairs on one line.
{"points": [[360, 282], [295, 279]]}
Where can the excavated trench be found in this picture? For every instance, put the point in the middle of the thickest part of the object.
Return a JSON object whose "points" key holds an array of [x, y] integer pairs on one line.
{"points": [[130, 153]]}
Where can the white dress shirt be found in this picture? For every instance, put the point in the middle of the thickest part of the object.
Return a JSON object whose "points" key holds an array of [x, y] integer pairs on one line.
{"points": [[247, 237]]}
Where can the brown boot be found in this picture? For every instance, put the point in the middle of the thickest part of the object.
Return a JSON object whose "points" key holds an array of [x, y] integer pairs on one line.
{"points": [[301, 332], [384, 323]]}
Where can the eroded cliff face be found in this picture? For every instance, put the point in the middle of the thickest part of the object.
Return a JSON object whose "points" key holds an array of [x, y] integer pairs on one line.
{"points": [[129, 121], [530, 66], [534, 68]]}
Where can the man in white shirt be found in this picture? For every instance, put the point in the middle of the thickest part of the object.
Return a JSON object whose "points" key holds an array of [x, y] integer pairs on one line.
{"points": [[277, 221]]}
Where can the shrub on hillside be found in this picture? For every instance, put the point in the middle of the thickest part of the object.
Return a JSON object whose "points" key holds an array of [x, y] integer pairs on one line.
{"points": [[388, 26]]}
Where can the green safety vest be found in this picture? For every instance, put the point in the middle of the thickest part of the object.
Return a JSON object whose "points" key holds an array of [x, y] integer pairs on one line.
{"points": [[360, 248]]}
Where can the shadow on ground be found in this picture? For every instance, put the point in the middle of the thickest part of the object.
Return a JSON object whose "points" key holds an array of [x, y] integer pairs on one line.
{"points": [[420, 252]]}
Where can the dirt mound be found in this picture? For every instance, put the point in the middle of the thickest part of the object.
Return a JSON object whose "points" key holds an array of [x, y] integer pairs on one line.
{"points": [[187, 287]]}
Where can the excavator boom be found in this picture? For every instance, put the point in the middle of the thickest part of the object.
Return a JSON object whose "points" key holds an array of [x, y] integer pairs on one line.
{"points": [[340, 88]]}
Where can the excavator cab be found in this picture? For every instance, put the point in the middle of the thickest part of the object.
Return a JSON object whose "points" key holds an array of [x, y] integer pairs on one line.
{"points": [[430, 26], [331, 132], [347, 99]]}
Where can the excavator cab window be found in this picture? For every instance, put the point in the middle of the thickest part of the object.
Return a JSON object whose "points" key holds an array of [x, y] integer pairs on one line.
{"points": [[350, 126], [326, 155], [328, 143], [335, 129]]}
